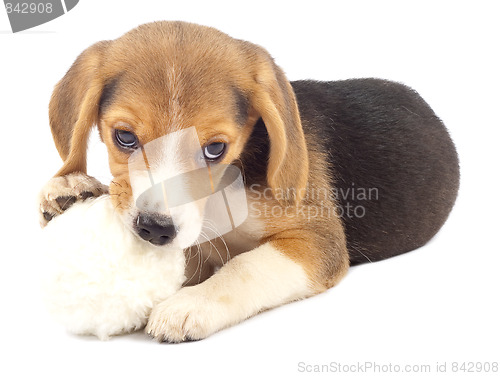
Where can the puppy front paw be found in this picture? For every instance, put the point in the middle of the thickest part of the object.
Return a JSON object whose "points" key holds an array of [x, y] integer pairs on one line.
{"points": [[187, 315], [63, 191]]}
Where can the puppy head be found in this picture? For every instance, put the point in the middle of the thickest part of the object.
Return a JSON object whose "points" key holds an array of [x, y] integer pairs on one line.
{"points": [[170, 98]]}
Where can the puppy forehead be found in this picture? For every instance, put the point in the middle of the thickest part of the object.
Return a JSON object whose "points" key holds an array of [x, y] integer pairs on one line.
{"points": [[177, 59], [171, 104], [168, 54]]}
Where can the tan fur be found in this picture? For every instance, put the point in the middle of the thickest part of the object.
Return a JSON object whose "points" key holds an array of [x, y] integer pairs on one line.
{"points": [[315, 241], [73, 109], [189, 79]]}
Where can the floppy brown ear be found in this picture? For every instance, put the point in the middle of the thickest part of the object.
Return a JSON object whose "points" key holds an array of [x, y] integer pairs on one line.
{"points": [[288, 165], [74, 108]]}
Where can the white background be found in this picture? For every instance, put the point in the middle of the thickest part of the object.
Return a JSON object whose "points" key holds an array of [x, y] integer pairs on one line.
{"points": [[437, 304]]}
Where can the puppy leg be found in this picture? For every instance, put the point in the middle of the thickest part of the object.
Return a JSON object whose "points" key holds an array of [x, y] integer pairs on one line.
{"points": [[260, 279], [63, 191]]}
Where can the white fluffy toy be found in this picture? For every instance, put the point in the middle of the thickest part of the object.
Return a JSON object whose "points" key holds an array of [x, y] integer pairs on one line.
{"points": [[100, 278]]}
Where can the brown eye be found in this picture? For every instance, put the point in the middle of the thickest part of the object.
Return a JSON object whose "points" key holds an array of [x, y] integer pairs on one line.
{"points": [[214, 151], [126, 139]]}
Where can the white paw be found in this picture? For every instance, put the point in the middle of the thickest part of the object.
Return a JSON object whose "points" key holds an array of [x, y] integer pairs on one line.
{"points": [[190, 314], [63, 191]]}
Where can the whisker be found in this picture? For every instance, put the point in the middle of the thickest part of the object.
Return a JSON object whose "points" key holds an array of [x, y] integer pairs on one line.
{"points": [[355, 248], [213, 228], [198, 266], [205, 236], [117, 194]]}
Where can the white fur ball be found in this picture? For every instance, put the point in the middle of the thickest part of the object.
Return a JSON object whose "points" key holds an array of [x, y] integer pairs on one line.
{"points": [[100, 278]]}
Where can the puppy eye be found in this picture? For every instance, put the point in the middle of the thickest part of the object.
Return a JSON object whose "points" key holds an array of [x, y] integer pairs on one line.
{"points": [[126, 139], [214, 151]]}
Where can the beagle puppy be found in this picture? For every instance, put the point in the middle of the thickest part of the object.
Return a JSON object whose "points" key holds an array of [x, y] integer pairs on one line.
{"points": [[334, 173]]}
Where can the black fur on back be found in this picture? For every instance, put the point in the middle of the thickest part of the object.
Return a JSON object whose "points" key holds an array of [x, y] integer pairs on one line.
{"points": [[381, 135]]}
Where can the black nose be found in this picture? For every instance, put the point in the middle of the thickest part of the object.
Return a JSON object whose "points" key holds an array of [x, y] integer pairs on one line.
{"points": [[155, 228]]}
